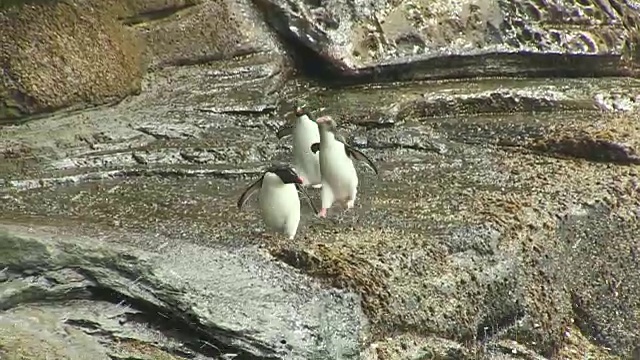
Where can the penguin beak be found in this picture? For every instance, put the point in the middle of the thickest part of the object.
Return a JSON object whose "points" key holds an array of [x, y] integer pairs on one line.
{"points": [[299, 180]]}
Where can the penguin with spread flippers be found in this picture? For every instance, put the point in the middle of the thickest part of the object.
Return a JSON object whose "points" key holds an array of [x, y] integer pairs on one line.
{"points": [[339, 176], [278, 198], [305, 133]]}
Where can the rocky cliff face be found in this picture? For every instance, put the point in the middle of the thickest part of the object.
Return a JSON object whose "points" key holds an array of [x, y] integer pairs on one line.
{"points": [[62, 54], [411, 40], [76, 53], [504, 223]]}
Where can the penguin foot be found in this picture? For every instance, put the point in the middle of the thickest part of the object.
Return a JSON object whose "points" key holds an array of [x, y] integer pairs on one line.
{"points": [[323, 213], [350, 204]]}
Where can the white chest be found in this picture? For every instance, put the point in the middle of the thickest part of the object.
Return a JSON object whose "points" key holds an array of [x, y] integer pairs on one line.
{"points": [[305, 134], [279, 202], [336, 167]]}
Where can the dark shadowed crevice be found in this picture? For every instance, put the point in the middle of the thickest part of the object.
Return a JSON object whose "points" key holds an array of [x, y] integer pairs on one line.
{"points": [[310, 64], [156, 14], [518, 65], [596, 150], [306, 51], [588, 327], [185, 327], [311, 51], [241, 51], [490, 326]]}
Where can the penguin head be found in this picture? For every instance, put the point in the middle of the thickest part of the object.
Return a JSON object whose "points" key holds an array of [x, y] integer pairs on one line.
{"points": [[298, 110], [286, 173], [327, 123]]}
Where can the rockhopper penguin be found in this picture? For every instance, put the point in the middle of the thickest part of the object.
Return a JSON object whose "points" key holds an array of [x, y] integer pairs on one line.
{"points": [[305, 133], [339, 177], [278, 198]]}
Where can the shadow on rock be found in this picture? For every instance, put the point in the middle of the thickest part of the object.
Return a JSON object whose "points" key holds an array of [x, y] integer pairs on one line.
{"points": [[117, 304]]}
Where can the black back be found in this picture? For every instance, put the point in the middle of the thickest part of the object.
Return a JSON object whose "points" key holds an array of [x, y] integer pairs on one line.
{"points": [[288, 176], [286, 173]]}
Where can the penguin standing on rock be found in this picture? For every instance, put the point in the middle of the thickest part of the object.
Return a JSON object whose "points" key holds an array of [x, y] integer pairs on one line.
{"points": [[305, 133], [278, 198], [339, 177]]}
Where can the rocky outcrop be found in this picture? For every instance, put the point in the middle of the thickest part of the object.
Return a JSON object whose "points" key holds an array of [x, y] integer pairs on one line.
{"points": [[77, 53], [189, 32], [95, 52], [411, 40], [74, 300], [504, 224], [473, 243], [60, 54]]}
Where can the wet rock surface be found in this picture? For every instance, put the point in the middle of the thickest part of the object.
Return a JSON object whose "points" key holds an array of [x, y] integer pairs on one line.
{"points": [[477, 240], [504, 224]]}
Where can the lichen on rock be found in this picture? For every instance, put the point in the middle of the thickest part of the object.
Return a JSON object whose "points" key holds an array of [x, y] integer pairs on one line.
{"points": [[62, 54], [73, 54]]}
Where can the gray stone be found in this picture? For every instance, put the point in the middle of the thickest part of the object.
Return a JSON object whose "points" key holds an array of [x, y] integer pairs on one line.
{"points": [[188, 300]]}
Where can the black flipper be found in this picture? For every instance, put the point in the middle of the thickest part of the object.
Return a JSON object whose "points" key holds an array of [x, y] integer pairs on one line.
{"points": [[306, 194], [284, 132], [252, 189], [358, 155], [315, 147]]}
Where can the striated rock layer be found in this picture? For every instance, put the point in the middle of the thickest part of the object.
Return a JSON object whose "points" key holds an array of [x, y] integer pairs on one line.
{"points": [[504, 223], [414, 39]]}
